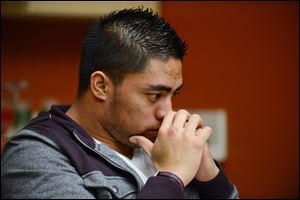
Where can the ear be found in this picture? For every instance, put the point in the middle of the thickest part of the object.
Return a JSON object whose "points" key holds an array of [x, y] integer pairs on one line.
{"points": [[99, 84]]}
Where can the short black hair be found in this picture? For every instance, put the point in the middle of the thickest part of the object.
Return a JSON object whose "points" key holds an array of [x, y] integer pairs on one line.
{"points": [[123, 41]]}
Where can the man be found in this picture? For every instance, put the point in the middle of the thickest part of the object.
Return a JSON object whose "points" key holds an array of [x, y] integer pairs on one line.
{"points": [[120, 138]]}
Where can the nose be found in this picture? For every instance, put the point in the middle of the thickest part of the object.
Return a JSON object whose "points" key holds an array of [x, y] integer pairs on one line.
{"points": [[163, 108]]}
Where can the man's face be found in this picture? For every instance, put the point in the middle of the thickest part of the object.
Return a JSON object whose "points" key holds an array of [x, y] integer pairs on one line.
{"points": [[140, 103]]}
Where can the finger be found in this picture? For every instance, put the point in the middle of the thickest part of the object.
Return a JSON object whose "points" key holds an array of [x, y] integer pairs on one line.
{"points": [[167, 122], [143, 142], [204, 134], [206, 150], [201, 123], [193, 123], [180, 118]]}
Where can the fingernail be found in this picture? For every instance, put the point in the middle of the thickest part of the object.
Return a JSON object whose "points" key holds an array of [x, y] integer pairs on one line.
{"points": [[132, 139]]}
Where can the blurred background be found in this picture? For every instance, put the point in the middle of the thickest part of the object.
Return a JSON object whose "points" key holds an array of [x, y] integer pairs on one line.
{"points": [[243, 57]]}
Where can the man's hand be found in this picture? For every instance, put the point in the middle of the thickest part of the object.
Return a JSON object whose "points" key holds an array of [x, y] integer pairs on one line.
{"points": [[208, 169], [179, 145]]}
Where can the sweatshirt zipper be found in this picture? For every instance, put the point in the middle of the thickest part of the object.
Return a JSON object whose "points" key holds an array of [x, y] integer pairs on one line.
{"points": [[107, 159]]}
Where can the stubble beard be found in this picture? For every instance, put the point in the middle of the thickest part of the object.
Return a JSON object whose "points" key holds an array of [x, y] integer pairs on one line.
{"points": [[112, 123]]}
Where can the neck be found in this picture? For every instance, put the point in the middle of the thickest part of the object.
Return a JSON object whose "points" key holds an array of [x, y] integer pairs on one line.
{"points": [[86, 116], [114, 144]]}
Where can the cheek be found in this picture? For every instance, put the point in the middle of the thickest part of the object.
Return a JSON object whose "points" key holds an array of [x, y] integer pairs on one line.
{"points": [[133, 111], [136, 117], [135, 105]]}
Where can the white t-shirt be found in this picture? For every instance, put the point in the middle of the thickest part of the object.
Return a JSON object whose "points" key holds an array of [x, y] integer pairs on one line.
{"points": [[141, 163]]}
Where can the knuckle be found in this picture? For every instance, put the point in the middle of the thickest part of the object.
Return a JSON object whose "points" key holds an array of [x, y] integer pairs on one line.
{"points": [[209, 130], [182, 111], [173, 130], [196, 117], [188, 132]]}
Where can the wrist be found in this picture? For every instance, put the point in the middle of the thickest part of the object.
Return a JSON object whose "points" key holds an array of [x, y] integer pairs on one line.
{"points": [[171, 176], [207, 174]]}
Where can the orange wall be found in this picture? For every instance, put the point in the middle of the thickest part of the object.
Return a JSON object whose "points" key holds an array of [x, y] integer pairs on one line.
{"points": [[45, 52], [243, 57]]}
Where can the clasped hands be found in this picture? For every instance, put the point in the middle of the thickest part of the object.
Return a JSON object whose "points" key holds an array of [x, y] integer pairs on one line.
{"points": [[181, 147]]}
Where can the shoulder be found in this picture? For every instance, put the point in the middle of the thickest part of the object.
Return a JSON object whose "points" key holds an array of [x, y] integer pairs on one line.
{"points": [[29, 149], [32, 166], [28, 140]]}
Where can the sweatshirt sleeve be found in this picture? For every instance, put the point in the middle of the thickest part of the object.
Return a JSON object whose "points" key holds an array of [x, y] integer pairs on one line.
{"points": [[218, 187], [159, 187]]}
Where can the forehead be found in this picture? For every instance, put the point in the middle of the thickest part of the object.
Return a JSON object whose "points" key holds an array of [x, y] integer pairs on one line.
{"points": [[157, 71], [171, 68]]}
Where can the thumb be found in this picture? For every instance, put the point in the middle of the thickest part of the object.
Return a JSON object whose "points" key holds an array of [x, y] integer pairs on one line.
{"points": [[142, 142]]}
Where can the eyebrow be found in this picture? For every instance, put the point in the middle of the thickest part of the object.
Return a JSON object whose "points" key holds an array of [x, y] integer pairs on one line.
{"points": [[161, 87]]}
